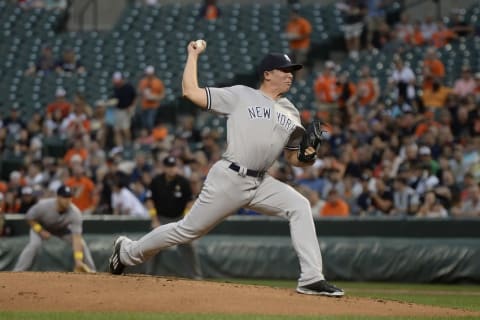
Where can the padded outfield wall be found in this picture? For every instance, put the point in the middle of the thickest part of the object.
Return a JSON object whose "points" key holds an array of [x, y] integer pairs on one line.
{"points": [[400, 250]]}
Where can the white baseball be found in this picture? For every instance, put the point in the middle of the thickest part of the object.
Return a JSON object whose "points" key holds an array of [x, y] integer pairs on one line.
{"points": [[200, 44]]}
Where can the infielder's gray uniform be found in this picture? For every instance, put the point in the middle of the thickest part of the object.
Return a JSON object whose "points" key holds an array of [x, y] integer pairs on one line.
{"points": [[62, 225], [258, 129]]}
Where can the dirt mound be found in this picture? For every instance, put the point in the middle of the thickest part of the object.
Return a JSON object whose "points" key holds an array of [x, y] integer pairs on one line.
{"points": [[31, 291]]}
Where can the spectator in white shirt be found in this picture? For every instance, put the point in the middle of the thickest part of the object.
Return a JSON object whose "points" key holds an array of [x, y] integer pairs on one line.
{"points": [[124, 202], [429, 27], [405, 199], [402, 81], [466, 84]]}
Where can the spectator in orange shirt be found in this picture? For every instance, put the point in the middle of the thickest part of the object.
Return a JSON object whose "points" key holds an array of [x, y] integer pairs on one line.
{"points": [[443, 35], [368, 91], [335, 206], [325, 90], [83, 190], [415, 37], [298, 33], [436, 95], [433, 68], [152, 91], [77, 149], [60, 103], [209, 11]]}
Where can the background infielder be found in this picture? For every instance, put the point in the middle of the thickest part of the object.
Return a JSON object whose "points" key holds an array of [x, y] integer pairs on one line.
{"points": [[56, 217], [260, 125]]}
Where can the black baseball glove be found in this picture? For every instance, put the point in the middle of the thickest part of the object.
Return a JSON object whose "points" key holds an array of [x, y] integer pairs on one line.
{"points": [[313, 136]]}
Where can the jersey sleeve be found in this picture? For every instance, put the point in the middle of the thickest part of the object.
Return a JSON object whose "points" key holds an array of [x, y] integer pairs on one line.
{"points": [[294, 142], [222, 100], [33, 213]]}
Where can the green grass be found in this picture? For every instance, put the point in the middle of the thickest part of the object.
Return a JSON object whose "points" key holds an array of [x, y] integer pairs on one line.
{"points": [[453, 296]]}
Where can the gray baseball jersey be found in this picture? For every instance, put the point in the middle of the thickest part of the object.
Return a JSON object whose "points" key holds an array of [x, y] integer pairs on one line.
{"points": [[62, 225], [258, 128], [46, 213]]}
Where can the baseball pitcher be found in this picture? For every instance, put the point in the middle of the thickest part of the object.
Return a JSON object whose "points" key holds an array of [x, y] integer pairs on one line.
{"points": [[261, 124]]}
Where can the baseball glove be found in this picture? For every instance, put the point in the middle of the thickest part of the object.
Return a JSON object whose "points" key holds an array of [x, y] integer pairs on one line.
{"points": [[82, 268], [315, 133]]}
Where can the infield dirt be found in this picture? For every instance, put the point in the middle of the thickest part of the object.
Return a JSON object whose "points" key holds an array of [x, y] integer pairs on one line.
{"points": [[53, 291]]}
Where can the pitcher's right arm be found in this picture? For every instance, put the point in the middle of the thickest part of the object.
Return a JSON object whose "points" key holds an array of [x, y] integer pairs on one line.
{"points": [[190, 88]]}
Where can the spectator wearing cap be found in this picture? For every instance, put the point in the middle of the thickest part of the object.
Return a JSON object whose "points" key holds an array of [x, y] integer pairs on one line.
{"points": [[123, 97], [466, 84], [425, 157], [57, 217], [27, 200], [59, 105], [151, 90], [170, 197]]}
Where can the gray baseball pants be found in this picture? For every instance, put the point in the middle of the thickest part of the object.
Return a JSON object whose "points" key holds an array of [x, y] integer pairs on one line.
{"points": [[224, 192], [187, 252], [25, 260]]}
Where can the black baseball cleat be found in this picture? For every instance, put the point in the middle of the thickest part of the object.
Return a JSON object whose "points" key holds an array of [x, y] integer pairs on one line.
{"points": [[322, 288], [115, 265]]}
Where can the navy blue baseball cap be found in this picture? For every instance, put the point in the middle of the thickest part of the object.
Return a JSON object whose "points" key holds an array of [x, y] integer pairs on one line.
{"points": [[64, 192], [170, 161], [280, 61]]}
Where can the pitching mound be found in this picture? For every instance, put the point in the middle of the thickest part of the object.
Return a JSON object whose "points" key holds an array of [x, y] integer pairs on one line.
{"points": [[31, 291]]}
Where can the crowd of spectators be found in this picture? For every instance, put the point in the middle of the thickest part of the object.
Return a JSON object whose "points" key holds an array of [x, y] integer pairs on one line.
{"points": [[417, 156]]}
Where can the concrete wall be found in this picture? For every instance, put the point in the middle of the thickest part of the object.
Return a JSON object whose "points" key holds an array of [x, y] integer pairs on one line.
{"points": [[429, 8], [108, 13]]}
